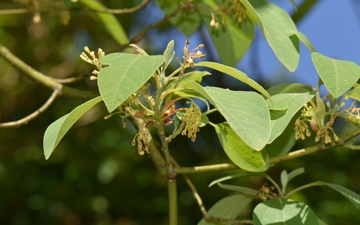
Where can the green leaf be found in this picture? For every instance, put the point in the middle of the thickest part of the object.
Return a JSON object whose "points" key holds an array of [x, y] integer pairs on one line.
{"points": [[228, 207], [124, 75], [232, 39], [282, 211], [56, 131], [243, 190], [305, 40], [191, 76], [278, 29], [240, 153], [289, 88], [234, 73], [354, 94], [284, 178], [295, 173], [337, 75], [107, 20], [236, 175], [349, 194], [246, 112], [187, 20], [280, 119]]}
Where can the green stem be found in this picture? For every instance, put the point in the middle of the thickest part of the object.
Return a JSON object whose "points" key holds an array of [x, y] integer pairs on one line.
{"points": [[173, 211], [318, 183], [206, 169]]}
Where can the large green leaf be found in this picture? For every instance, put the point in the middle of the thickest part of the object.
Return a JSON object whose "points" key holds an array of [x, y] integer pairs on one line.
{"points": [[228, 207], [246, 112], [237, 74], [124, 75], [282, 211], [239, 152], [280, 119], [278, 29], [107, 20], [337, 75], [56, 131], [289, 88], [231, 39]]}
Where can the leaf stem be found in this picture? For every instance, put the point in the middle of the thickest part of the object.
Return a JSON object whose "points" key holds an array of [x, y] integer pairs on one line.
{"points": [[173, 206], [317, 183]]}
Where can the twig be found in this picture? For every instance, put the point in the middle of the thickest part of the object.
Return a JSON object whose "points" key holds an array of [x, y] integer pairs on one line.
{"points": [[274, 160], [43, 79], [109, 11], [33, 115], [70, 79], [141, 34]]}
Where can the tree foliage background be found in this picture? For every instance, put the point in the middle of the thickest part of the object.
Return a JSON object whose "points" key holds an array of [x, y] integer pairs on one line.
{"points": [[96, 176]]}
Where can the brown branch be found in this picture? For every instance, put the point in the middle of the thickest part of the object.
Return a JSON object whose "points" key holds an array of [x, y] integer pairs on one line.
{"points": [[109, 11], [33, 115]]}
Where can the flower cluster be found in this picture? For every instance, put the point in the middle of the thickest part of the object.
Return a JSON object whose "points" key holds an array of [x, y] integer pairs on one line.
{"points": [[193, 54], [191, 121], [309, 115], [90, 57]]}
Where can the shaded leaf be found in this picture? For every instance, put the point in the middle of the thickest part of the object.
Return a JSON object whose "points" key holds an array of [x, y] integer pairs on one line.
{"points": [[246, 112], [107, 20], [349, 194], [236, 175], [228, 207], [231, 39], [354, 94], [243, 190], [337, 75], [282, 211], [124, 75], [240, 153], [56, 131]]}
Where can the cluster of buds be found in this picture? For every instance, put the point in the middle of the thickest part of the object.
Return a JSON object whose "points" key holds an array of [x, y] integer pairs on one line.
{"points": [[309, 115], [191, 121], [90, 57], [193, 54]]}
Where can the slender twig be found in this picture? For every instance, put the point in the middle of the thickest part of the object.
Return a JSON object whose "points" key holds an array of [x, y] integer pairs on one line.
{"points": [[205, 169], [33, 115], [141, 34], [109, 11], [71, 79], [317, 183], [43, 79]]}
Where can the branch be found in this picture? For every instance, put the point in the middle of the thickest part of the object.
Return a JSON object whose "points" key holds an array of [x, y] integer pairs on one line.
{"points": [[109, 11], [43, 79], [26, 119], [141, 34], [274, 160]]}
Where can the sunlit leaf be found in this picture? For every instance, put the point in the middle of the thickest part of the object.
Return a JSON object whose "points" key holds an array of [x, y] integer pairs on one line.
{"points": [[240, 153], [246, 112], [278, 29], [124, 75], [354, 94], [56, 131], [305, 40], [237, 74], [289, 88], [282, 211], [337, 75], [228, 207]]}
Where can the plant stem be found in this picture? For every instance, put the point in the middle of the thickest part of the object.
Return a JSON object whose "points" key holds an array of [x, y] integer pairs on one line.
{"points": [[205, 169], [318, 183], [173, 211]]}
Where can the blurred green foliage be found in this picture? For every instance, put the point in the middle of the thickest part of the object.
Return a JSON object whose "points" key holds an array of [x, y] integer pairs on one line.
{"points": [[96, 176]]}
